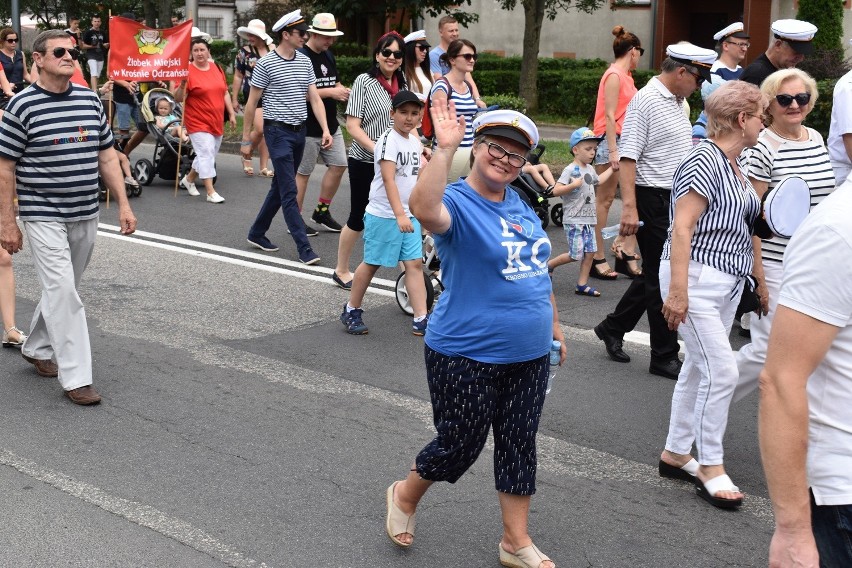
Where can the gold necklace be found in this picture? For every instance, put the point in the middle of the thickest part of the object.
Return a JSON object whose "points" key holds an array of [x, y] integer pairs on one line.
{"points": [[797, 139]]}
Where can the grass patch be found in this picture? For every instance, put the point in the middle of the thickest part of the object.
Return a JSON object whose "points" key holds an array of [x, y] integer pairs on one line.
{"points": [[557, 155]]}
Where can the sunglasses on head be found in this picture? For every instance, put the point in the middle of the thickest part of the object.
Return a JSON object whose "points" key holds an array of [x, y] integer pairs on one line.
{"points": [[388, 52], [11, 40], [59, 52], [801, 99], [468, 56]]}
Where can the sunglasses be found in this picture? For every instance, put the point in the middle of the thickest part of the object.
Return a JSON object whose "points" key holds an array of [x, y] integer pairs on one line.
{"points": [[59, 52], [802, 99], [698, 78], [498, 151], [640, 49], [468, 56], [388, 52], [422, 47], [11, 40], [301, 33]]}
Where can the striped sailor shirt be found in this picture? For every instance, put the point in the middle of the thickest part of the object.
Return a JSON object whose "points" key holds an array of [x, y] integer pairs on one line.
{"points": [[55, 139], [285, 85], [656, 134], [370, 102], [774, 158], [722, 237]]}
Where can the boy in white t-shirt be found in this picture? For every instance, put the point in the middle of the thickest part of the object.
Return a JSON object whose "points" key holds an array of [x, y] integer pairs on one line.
{"points": [[576, 185], [391, 234]]}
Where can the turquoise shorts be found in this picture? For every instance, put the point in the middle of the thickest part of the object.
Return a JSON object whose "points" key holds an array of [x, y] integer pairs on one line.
{"points": [[581, 240], [386, 245]]}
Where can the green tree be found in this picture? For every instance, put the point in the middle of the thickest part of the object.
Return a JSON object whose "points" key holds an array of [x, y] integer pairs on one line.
{"points": [[827, 60], [534, 13]]}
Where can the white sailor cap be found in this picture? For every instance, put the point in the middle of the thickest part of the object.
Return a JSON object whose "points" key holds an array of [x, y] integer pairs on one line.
{"points": [[508, 124], [783, 208], [796, 33], [734, 30], [293, 21], [689, 54], [419, 35]]}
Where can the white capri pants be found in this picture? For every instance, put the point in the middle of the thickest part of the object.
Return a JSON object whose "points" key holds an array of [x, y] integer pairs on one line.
{"points": [[752, 356], [206, 147], [709, 375]]}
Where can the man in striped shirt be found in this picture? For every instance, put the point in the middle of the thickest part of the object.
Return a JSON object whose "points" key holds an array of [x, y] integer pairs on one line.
{"points": [[655, 138], [54, 139], [285, 78]]}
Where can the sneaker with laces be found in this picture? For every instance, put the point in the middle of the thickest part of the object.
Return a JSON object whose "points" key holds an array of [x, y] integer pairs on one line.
{"points": [[419, 327], [353, 322], [262, 243], [189, 187], [309, 257], [323, 218]]}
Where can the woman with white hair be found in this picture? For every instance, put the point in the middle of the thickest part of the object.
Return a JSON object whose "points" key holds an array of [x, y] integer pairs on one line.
{"points": [[259, 44]]}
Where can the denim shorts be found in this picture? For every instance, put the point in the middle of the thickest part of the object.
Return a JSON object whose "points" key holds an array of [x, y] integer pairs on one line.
{"points": [[386, 245], [581, 240], [124, 112], [602, 155]]}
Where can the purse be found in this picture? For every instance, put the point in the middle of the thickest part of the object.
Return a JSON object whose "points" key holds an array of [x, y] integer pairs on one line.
{"points": [[749, 301]]}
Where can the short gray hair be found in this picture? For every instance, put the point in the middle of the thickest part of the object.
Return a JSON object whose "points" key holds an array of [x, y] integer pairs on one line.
{"points": [[40, 43], [669, 65]]}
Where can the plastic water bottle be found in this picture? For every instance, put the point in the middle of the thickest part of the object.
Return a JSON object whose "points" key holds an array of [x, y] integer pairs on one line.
{"points": [[576, 173], [555, 353], [613, 230]]}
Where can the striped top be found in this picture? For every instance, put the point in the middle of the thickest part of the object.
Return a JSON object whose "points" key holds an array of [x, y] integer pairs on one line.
{"points": [[285, 85], [722, 237], [774, 158], [465, 106], [55, 139], [656, 133], [370, 102]]}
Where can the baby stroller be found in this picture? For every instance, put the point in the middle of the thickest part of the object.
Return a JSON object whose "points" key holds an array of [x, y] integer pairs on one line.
{"points": [[536, 196], [165, 159]]}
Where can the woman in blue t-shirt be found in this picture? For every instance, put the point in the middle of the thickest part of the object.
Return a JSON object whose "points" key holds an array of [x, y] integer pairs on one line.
{"points": [[488, 339]]}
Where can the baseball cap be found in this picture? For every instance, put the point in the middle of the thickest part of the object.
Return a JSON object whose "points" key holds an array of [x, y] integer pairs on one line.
{"points": [[584, 133]]}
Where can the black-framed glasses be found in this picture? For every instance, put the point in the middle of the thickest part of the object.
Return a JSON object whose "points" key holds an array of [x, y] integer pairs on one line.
{"points": [[397, 53], [641, 50], [422, 47], [59, 52], [497, 151], [802, 99], [468, 56], [744, 44], [698, 78], [11, 40]]}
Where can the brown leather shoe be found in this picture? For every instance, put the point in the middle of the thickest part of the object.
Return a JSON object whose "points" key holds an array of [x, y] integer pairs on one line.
{"points": [[44, 367], [84, 395]]}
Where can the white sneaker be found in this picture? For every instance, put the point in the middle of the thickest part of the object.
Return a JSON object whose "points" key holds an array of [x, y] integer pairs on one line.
{"points": [[215, 198], [130, 181], [189, 186]]}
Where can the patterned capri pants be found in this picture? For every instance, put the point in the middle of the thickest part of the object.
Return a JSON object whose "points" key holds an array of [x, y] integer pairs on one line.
{"points": [[468, 399]]}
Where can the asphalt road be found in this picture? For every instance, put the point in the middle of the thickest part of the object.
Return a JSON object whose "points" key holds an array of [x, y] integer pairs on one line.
{"points": [[241, 426]]}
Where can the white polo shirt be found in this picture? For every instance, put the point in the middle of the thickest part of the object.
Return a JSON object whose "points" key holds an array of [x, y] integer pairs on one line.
{"points": [[841, 123], [825, 295]]}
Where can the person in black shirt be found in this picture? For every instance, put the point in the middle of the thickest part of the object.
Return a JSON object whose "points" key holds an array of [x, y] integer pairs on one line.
{"points": [[323, 30], [95, 43], [791, 43]]}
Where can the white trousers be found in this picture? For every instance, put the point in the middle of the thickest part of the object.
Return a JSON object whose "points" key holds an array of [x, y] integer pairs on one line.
{"points": [[206, 147], [708, 377], [752, 356], [61, 252]]}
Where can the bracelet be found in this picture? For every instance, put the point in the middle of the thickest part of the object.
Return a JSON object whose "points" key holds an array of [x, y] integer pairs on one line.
{"points": [[245, 143], [478, 98]]}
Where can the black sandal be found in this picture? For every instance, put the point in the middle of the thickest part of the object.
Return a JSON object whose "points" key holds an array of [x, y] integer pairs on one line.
{"points": [[596, 272], [622, 264]]}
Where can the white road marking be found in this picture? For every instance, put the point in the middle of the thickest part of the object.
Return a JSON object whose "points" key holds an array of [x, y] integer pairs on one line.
{"points": [[142, 515]]}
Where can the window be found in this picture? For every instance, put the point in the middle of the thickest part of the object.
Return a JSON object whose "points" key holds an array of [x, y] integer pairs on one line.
{"points": [[212, 26]]}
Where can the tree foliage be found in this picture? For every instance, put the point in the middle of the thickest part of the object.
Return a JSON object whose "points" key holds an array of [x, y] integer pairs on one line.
{"points": [[827, 60], [55, 13], [406, 8]]}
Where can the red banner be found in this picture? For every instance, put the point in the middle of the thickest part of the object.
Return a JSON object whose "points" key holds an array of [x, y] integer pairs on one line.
{"points": [[140, 53]]}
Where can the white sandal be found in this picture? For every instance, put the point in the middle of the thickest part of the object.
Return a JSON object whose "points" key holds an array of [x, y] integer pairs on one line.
{"points": [[397, 522], [526, 557], [9, 342], [708, 490]]}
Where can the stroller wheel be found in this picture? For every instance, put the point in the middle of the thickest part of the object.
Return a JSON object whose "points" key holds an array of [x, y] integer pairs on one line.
{"points": [[143, 171], [402, 299], [542, 214], [556, 214], [136, 191]]}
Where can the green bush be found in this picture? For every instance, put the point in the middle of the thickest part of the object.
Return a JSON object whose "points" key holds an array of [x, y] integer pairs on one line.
{"points": [[350, 49], [820, 116], [223, 52], [350, 67], [511, 102]]}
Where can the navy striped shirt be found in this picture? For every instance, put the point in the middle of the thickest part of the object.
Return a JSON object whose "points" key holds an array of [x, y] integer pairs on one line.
{"points": [[465, 106], [722, 237], [285, 85], [370, 102], [55, 139], [774, 158], [656, 133]]}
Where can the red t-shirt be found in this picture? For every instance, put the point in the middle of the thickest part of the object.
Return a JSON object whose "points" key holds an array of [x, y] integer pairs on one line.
{"points": [[78, 77], [204, 107]]}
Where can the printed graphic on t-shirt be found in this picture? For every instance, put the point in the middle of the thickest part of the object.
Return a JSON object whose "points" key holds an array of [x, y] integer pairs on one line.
{"points": [[520, 229]]}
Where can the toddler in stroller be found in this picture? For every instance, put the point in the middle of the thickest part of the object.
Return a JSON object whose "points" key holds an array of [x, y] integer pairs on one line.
{"points": [[169, 122], [162, 120]]}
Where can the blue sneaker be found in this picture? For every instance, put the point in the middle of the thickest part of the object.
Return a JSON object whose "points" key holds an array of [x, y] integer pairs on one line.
{"points": [[262, 243], [419, 327], [353, 322], [309, 257]]}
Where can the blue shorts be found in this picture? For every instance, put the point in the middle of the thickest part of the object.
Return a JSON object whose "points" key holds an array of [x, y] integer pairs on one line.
{"points": [[602, 155], [581, 239], [124, 112], [386, 245]]}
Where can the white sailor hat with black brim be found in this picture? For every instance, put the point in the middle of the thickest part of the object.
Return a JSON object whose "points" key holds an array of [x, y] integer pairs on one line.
{"points": [[507, 124], [798, 34], [698, 57], [783, 208], [737, 29], [292, 21], [419, 35]]}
